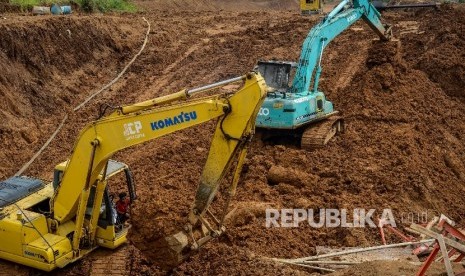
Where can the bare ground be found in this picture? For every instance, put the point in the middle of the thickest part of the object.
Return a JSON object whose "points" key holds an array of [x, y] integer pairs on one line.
{"points": [[402, 101]]}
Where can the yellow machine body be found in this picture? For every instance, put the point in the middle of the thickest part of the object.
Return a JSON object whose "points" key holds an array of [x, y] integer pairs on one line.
{"points": [[311, 6], [50, 225], [29, 238]]}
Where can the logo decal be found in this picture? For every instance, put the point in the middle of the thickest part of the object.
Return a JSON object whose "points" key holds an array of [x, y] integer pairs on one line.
{"points": [[133, 130], [301, 117], [278, 105], [264, 111], [170, 121], [351, 18]]}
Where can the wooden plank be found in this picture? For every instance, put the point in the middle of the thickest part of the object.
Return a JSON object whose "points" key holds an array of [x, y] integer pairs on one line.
{"points": [[457, 245], [445, 255], [429, 225]]}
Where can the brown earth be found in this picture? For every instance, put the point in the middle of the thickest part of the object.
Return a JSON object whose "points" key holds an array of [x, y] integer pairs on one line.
{"points": [[212, 5], [48, 65], [402, 102]]}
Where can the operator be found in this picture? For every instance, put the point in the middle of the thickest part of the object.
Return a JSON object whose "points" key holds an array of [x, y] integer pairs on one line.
{"points": [[122, 207]]}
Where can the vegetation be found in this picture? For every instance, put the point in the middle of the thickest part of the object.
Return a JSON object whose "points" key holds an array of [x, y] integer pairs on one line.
{"points": [[85, 5], [106, 5]]}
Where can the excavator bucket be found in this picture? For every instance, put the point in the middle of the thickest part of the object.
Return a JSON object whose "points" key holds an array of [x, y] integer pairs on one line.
{"points": [[170, 251]]}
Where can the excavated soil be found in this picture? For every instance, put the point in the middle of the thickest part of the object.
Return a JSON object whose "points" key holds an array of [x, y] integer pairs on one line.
{"points": [[48, 65], [403, 103]]}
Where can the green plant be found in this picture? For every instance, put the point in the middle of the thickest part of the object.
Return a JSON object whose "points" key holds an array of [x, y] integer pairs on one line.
{"points": [[25, 4], [106, 5], [85, 5]]}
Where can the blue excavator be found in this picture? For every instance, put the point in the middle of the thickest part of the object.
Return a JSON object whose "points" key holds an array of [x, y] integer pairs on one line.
{"points": [[294, 106]]}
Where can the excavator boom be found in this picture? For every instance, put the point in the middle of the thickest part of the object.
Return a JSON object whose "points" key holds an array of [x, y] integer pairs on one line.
{"points": [[293, 105], [80, 216], [101, 139], [338, 20]]}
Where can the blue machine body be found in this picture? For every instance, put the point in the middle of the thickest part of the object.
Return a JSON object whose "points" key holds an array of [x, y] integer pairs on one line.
{"points": [[291, 106], [284, 110]]}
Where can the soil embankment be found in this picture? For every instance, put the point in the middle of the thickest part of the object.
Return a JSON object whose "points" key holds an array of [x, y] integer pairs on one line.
{"points": [[402, 102]]}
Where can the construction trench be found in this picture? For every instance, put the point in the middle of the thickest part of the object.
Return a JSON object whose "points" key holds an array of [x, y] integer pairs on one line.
{"points": [[403, 103]]}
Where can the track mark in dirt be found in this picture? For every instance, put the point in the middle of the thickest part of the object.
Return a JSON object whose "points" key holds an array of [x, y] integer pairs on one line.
{"points": [[111, 262], [224, 29], [408, 27], [166, 76], [116, 79], [356, 61], [398, 154]]}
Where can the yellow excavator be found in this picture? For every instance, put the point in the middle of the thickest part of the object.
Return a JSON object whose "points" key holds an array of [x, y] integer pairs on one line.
{"points": [[49, 225], [311, 7]]}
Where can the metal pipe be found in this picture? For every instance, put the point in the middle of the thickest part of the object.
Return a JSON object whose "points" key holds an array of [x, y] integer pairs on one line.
{"points": [[181, 95], [312, 267], [318, 69], [331, 262], [402, 6], [351, 251], [213, 85], [337, 9]]}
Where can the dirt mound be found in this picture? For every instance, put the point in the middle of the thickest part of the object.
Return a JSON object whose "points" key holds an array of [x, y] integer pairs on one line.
{"points": [[7, 7], [48, 65], [258, 4], [393, 155], [403, 148], [439, 50], [208, 5]]}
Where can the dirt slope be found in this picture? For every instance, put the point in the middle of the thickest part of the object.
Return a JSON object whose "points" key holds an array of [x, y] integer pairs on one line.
{"points": [[48, 65], [403, 148], [209, 5]]}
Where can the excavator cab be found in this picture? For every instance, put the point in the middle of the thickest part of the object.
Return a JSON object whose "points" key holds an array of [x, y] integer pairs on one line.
{"points": [[113, 168], [284, 115], [110, 232], [277, 74]]}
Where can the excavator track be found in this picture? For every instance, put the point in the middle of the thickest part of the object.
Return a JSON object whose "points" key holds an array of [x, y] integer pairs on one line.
{"points": [[111, 263], [317, 136]]}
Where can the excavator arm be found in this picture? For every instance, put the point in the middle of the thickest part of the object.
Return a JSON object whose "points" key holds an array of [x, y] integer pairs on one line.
{"points": [[296, 107], [322, 34], [136, 124]]}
